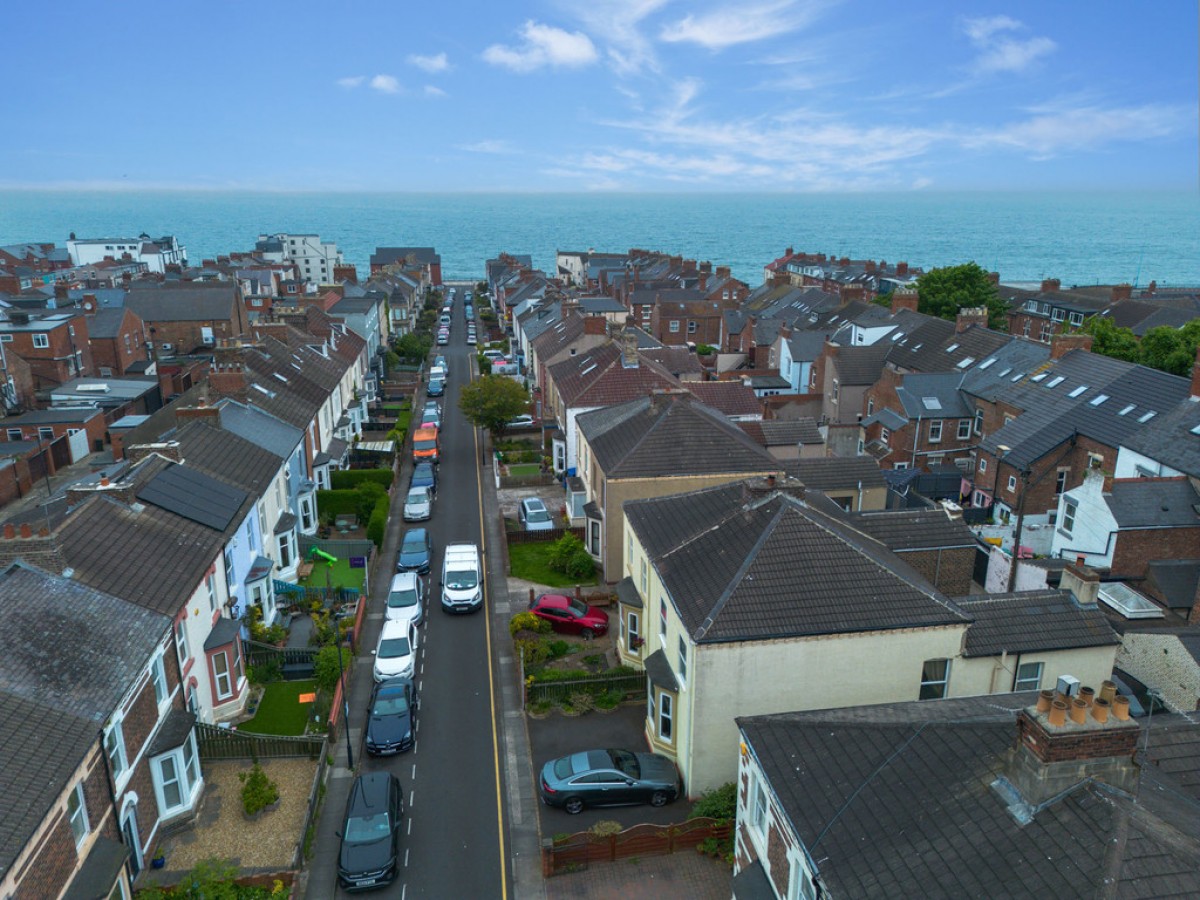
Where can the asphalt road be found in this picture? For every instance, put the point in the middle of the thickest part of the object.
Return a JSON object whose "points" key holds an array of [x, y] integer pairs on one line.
{"points": [[452, 846]]}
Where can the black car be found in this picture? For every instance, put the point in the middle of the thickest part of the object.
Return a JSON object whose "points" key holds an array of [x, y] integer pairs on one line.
{"points": [[608, 778], [424, 475], [371, 832], [436, 388], [391, 718], [415, 552]]}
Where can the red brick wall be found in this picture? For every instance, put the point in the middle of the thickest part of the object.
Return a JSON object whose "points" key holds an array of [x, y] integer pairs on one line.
{"points": [[1134, 550], [950, 570], [1073, 742]]}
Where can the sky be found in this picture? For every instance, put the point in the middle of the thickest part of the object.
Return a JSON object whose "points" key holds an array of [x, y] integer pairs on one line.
{"points": [[601, 95]]}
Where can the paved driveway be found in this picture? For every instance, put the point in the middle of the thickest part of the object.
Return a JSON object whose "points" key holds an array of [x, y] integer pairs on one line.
{"points": [[559, 735]]}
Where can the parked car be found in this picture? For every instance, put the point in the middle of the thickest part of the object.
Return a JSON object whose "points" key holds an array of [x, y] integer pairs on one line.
{"points": [[391, 717], [522, 421], [570, 616], [608, 778], [396, 652], [426, 446], [471, 338], [424, 475], [371, 831], [443, 338], [418, 505], [431, 419], [416, 550], [434, 405], [462, 590], [533, 515], [406, 599], [436, 388]]}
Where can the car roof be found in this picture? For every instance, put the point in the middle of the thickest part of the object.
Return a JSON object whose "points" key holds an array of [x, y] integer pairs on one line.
{"points": [[396, 683], [552, 600], [394, 628], [533, 502], [416, 534], [370, 790], [403, 580], [423, 490]]}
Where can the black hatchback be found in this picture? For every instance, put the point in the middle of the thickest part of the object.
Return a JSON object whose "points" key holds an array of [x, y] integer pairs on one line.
{"points": [[415, 552], [371, 832]]}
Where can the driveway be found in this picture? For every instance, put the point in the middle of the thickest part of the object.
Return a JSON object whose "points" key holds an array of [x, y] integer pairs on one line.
{"points": [[559, 735]]}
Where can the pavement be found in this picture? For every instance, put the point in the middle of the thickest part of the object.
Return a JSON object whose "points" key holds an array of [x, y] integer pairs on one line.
{"points": [[677, 875]]}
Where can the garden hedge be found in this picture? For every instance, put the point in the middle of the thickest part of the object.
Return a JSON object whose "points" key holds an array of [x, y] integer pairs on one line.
{"points": [[337, 503], [377, 525], [351, 478]]}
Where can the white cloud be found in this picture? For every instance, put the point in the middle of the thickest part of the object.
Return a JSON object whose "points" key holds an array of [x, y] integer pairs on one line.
{"points": [[999, 49], [385, 84], [544, 45], [1060, 128], [351, 82], [432, 64], [727, 26], [488, 146], [618, 24], [434, 91]]}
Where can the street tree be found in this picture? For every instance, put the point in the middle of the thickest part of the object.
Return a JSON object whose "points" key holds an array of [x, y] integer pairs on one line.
{"points": [[947, 290], [491, 401]]}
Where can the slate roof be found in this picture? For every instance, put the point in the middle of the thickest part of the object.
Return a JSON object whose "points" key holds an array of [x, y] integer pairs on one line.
{"points": [[913, 529], [730, 398], [676, 360], [861, 365], [935, 346], [1168, 438], [1050, 414], [992, 375], [1153, 503], [1031, 621], [668, 435], [783, 432], [896, 801], [69, 654], [222, 454], [599, 378], [183, 302], [744, 565], [933, 396], [886, 417], [106, 323], [1176, 580], [829, 473]]}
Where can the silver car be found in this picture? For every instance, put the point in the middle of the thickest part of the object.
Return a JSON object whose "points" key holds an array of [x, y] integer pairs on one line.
{"points": [[418, 505]]}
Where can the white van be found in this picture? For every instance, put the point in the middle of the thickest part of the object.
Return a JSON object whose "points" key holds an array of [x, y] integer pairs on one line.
{"points": [[438, 372], [462, 579]]}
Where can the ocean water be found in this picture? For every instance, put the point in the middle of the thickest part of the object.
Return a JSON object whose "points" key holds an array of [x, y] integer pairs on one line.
{"points": [[1080, 238]]}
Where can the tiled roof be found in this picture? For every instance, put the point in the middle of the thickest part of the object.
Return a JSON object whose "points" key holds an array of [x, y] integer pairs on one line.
{"points": [[783, 432], [676, 360], [599, 378], [1032, 621], [1153, 503], [829, 473], [667, 435], [1169, 439], [221, 454], [861, 365], [913, 529], [933, 396], [935, 346], [259, 427], [730, 398], [886, 417], [897, 801], [184, 302], [106, 323], [743, 565]]}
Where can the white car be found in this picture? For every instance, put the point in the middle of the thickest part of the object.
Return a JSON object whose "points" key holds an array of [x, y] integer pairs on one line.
{"points": [[396, 653], [523, 421], [406, 599], [471, 340], [418, 505], [533, 514]]}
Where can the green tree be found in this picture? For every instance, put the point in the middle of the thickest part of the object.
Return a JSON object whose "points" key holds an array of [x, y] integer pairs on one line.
{"points": [[325, 666], [1171, 349], [413, 346], [947, 290], [1112, 341], [491, 401]]}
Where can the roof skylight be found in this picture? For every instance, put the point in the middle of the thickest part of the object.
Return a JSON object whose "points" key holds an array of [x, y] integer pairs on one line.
{"points": [[1130, 408], [1055, 381], [1098, 399], [1075, 392], [966, 362], [952, 348], [1002, 374], [987, 362], [931, 402], [1041, 376], [1146, 417]]}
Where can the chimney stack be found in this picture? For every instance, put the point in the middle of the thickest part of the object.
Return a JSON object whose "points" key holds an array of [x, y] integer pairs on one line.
{"points": [[1062, 344], [1050, 285], [1082, 582], [905, 298], [723, 271], [1121, 292], [901, 268], [970, 315], [629, 345]]}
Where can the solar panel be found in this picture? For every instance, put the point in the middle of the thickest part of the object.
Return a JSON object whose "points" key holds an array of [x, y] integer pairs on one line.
{"points": [[193, 495]]}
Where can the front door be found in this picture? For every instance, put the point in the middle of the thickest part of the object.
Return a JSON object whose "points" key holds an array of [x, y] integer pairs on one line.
{"points": [[129, 831]]}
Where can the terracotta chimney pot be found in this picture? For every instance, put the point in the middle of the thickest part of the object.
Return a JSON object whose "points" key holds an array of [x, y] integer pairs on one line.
{"points": [[1058, 713], [10, 531], [1045, 700], [1108, 691], [1079, 708], [1087, 695], [1100, 710], [1120, 707], [26, 531]]}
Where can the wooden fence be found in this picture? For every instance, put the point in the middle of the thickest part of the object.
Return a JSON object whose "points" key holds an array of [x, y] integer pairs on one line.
{"points": [[225, 743], [295, 663], [534, 537], [577, 851], [556, 691]]}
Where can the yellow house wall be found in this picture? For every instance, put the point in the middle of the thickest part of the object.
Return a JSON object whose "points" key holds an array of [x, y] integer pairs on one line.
{"points": [[971, 676]]}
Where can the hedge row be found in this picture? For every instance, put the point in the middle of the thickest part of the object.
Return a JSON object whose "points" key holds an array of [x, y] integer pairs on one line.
{"points": [[352, 478], [377, 525], [337, 503]]}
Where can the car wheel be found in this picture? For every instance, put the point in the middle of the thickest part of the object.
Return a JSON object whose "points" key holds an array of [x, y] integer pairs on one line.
{"points": [[574, 806], [658, 798], [587, 634]]}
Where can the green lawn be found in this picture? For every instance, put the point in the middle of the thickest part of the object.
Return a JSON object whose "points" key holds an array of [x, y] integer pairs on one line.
{"points": [[341, 575], [279, 711], [524, 468], [397, 407], [531, 562], [402, 420]]}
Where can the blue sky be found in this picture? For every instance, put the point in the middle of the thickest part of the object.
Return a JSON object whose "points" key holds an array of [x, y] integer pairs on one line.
{"points": [[570, 95]]}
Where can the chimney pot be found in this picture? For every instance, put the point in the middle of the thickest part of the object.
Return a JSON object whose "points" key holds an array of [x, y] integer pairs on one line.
{"points": [[10, 531], [1120, 707], [1100, 710], [1058, 713], [1108, 691], [1087, 694], [1079, 710], [1050, 284], [26, 531], [1045, 700], [104, 482]]}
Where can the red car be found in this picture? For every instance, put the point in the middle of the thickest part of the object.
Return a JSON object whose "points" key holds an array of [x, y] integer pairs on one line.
{"points": [[570, 616]]}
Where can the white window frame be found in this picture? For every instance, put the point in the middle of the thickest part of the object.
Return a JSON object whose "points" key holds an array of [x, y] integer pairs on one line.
{"points": [[644, 576], [158, 678], [673, 326], [683, 661], [759, 808], [41, 340], [78, 817], [983, 464], [185, 762], [210, 587], [662, 620], [935, 433], [884, 434], [935, 683], [1012, 483], [118, 760], [1070, 510], [666, 713], [964, 429], [1028, 682], [227, 691], [632, 627], [833, 392], [181, 643], [979, 422]]}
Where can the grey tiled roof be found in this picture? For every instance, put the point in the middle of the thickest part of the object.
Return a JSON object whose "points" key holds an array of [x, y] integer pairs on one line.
{"points": [[260, 428], [1168, 438], [783, 432], [222, 454], [1153, 503], [668, 435], [829, 473], [69, 655], [1034, 621], [861, 365], [744, 565], [730, 398], [896, 801], [933, 396], [913, 529], [193, 302], [886, 417], [106, 323]]}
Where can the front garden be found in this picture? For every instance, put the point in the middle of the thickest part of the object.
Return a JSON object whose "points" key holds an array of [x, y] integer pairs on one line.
{"points": [[558, 564]]}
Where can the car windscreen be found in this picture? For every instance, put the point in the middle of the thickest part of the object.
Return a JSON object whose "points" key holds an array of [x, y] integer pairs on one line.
{"points": [[462, 580], [537, 515], [393, 648], [625, 762], [402, 599], [425, 445], [413, 544], [417, 496], [391, 704], [578, 608], [367, 829], [562, 767]]}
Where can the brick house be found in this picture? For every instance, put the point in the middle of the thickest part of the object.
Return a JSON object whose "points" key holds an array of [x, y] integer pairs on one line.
{"points": [[182, 317], [54, 346], [1043, 314], [426, 259], [100, 752], [54, 423], [687, 322], [119, 339]]}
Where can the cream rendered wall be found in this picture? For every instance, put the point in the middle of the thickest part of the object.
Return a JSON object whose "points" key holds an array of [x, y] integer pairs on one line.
{"points": [[760, 677], [971, 676]]}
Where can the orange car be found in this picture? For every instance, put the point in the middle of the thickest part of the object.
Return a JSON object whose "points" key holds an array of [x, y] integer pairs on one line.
{"points": [[425, 444]]}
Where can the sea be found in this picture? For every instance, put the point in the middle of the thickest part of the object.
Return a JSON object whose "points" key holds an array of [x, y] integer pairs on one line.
{"points": [[1078, 237]]}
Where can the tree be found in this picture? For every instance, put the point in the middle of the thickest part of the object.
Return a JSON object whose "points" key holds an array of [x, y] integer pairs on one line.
{"points": [[1171, 349], [413, 346], [491, 401], [1110, 340], [947, 290]]}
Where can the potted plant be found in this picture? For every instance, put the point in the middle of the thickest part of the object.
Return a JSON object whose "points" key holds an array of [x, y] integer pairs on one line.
{"points": [[159, 859], [259, 793]]}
